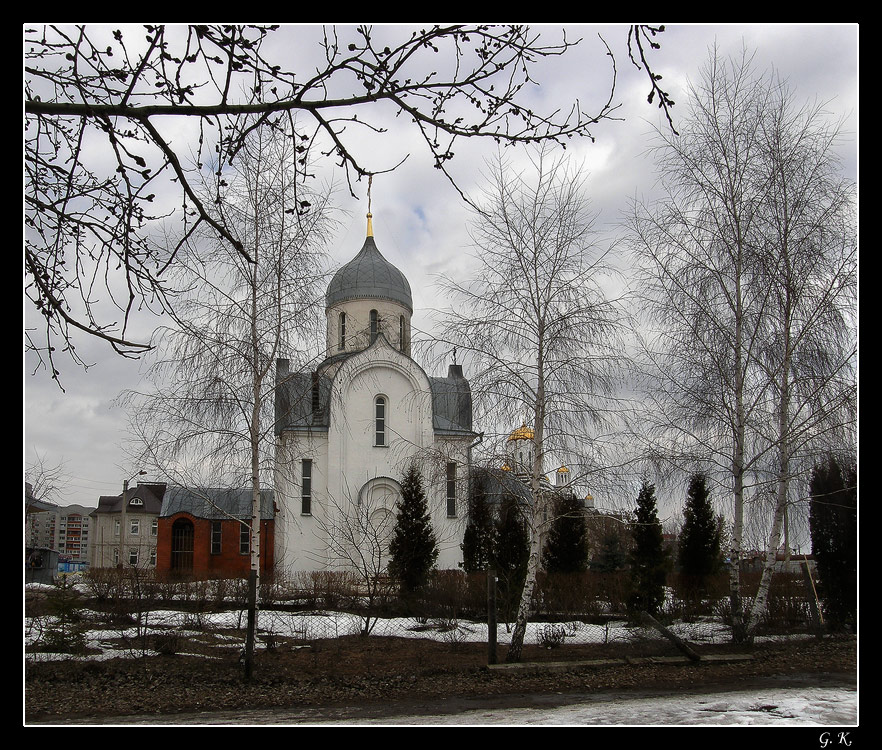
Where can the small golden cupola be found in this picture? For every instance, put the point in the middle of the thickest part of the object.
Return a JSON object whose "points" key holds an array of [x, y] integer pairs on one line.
{"points": [[562, 479], [520, 449]]}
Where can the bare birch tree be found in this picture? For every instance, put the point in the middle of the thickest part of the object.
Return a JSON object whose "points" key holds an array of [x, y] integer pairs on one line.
{"points": [[538, 334], [48, 481], [809, 257], [209, 421], [720, 286]]}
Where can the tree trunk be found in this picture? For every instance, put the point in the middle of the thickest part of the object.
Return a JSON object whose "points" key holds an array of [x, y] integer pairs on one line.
{"points": [[526, 603], [735, 605]]}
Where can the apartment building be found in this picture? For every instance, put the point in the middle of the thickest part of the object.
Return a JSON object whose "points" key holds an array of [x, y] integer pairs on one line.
{"points": [[66, 529]]}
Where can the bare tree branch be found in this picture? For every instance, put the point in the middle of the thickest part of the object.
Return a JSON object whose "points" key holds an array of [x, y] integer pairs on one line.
{"points": [[109, 145]]}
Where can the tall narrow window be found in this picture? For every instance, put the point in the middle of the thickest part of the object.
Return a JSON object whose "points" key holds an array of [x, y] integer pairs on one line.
{"points": [[451, 489], [244, 539], [216, 529], [341, 343], [316, 393], [402, 330], [375, 325], [306, 486], [380, 420]]}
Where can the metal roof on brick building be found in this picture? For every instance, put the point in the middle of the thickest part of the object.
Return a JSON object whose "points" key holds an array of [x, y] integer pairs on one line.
{"points": [[215, 503]]}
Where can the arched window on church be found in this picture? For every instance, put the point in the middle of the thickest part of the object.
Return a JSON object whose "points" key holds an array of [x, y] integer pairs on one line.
{"points": [[342, 332], [375, 325], [380, 420]]}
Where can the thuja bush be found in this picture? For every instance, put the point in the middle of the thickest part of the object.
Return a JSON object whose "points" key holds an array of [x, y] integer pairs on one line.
{"points": [[687, 605], [567, 595], [788, 606], [453, 594]]}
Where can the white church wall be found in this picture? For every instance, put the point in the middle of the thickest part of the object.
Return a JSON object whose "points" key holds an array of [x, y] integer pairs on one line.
{"points": [[298, 538]]}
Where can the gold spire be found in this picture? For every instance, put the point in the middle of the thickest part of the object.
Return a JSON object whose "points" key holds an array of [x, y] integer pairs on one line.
{"points": [[370, 227]]}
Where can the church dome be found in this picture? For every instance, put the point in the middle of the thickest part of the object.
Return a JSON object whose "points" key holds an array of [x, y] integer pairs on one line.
{"points": [[521, 433], [369, 276]]}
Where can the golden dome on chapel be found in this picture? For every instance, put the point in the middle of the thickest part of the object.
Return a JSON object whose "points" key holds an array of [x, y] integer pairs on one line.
{"points": [[521, 433]]}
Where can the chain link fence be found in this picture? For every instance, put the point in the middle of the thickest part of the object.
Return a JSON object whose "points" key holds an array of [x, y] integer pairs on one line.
{"points": [[132, 613]]}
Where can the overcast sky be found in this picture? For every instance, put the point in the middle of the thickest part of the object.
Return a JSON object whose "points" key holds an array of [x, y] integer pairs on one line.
{"points": [[420, 221]]}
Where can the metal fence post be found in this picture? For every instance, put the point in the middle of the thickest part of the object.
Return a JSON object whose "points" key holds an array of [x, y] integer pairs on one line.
{"points": [[491, 617]]}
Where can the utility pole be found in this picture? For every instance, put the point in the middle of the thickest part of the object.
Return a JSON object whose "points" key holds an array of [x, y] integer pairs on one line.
{"points": [[122, 525], [122, 521]]}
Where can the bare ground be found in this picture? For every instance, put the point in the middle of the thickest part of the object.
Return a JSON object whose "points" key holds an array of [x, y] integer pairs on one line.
{"points": [[357, 671]]}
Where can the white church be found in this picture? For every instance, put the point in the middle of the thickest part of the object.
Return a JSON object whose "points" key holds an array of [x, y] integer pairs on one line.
{"points": [[347, 430]]}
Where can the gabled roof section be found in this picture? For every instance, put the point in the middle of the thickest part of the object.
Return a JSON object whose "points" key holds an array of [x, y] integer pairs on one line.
{"points": [[499, 485], [147, 497], [215, 503], [452, 402], [302, 398]]}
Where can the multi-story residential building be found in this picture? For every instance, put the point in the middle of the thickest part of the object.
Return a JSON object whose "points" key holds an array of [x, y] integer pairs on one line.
{"points": [[136, 544], [63, 528]]}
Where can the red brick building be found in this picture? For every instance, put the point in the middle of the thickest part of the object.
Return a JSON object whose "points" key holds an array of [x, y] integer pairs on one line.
{"points": [[205, 533]]}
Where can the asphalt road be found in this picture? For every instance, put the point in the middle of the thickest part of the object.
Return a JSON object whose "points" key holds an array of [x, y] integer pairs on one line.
{"points": [[760, 698]]}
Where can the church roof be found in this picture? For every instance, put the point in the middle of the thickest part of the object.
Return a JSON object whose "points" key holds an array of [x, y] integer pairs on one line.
{"points": [[369, 276], [452, 402]]}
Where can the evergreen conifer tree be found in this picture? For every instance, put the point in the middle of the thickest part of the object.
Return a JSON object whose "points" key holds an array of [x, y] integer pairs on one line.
{"points": [[648, 558], [512, 551], [699, 552], [479, 537], [413, 549], [611, 554], [833, 526], [566, 550]]}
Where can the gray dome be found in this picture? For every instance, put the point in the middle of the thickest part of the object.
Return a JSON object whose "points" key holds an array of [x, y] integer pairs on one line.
{"points": [[369, 275]]}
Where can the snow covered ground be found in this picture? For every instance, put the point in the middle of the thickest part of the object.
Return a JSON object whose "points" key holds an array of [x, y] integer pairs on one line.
{"points": [[329, 624]]}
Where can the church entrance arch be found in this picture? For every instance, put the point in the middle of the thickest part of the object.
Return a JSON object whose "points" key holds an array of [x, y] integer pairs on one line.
{"points": [[378, 501]]}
